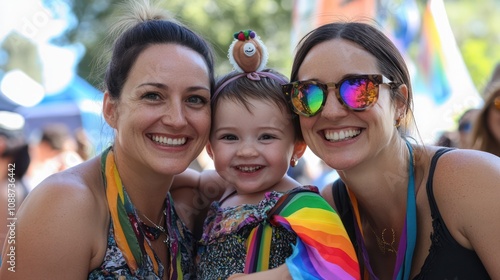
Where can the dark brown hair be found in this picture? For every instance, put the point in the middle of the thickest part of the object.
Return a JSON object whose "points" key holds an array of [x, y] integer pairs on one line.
{"points": [[482, 137], [243, 89], [390, 61], [141, 28]]}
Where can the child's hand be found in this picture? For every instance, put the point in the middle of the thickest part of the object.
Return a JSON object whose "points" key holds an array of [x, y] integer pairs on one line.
{"points": [[279, 273], [237, 276], [259, 276]]}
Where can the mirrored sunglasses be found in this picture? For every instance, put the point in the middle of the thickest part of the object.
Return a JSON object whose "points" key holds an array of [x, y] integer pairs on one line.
{"points": [[465, 127], [356, 92]]}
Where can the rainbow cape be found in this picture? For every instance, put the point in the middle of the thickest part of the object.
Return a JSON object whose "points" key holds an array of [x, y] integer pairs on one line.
{"points": [[323, 249]]}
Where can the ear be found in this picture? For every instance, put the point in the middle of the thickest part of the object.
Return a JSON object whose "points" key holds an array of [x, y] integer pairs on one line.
{"points": [[210, 153], [299, 149], [401, 105], [3, 145], [109, 109]]}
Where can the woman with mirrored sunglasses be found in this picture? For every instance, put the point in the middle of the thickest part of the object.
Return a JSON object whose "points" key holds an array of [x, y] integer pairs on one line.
{"points": [[412, 211], [486, 130]]}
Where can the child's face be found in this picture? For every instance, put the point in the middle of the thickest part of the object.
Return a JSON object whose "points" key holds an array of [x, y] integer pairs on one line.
{"points": [[251, 150]]}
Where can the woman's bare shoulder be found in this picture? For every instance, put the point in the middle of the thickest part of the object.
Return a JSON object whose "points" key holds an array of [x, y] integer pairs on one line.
{"points": [[63, 217], [84, 181], [462, 168], [466, 189]]}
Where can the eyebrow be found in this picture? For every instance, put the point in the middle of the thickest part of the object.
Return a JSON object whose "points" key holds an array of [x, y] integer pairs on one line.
{"points": [[160, 85], [164, 86], [231, 128]]}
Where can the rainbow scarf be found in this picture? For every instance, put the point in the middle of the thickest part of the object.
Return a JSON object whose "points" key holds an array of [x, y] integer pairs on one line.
{"points": [[128, 234], [323, 249]]}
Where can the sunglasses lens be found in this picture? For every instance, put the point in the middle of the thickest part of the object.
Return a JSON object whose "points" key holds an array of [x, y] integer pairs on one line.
{"points": [[358, 93], [464, 127], [307, 98]]}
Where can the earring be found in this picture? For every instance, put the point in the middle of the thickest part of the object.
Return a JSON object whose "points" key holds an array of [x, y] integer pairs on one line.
{"points": [[293, 162], [397, 122]]}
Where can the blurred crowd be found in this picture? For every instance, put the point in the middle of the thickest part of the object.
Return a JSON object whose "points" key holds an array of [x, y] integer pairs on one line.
{"points": [[479, 128], [26, 160]]}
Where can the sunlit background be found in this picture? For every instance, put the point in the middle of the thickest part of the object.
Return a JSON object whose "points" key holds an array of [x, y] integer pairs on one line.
{"points": [[50, 49]]}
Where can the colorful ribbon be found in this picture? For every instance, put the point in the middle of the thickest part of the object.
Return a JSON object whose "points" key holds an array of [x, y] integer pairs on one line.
{"points": [[129, 237]]}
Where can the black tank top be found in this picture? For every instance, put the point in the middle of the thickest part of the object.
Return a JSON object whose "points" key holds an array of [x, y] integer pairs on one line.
{"points": [[447, 259]]}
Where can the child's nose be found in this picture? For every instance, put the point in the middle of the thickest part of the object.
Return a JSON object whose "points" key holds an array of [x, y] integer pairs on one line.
{"points": [[247, 150]]}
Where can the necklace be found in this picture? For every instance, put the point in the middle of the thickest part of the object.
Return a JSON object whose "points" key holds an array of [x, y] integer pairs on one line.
{"points": [[404, 255], [153, 233], [383, 245]]}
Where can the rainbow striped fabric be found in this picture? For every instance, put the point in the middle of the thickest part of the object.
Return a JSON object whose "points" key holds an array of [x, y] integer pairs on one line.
{"points": [[323, 249]]}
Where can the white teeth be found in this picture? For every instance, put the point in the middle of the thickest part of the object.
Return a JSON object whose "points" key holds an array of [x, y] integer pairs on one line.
{"points": [[342, 135], [249, 169], [169, 141]]}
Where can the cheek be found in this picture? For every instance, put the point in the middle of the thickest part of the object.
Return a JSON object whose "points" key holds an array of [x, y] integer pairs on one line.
{"points": [[201, 121], [127, 118], [306, 126], [305, 123], [222, 155]]}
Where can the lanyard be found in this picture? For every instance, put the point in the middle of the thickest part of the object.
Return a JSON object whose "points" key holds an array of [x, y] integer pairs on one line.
{"points": [[408, 239]]}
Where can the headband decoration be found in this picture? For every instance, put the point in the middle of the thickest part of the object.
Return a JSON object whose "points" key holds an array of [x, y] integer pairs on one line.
{"points": [[248, 55]]}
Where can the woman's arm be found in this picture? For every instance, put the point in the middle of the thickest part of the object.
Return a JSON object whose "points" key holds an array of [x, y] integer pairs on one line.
{"points": [[193, 192], [467, 190], [187, 179], [327, 194]]}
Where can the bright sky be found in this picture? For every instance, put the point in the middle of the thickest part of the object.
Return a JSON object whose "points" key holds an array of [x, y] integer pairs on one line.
{"points": [[35, 22]]}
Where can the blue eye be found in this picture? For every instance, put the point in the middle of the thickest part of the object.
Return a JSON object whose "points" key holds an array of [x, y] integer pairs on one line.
{"points": [[151, 96], [196, 99]]}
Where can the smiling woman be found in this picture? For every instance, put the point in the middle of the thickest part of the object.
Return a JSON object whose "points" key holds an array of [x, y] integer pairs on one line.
{"points": [[412, 211], [114, 215]]}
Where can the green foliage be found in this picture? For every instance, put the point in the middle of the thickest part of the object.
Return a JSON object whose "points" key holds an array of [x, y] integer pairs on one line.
{"points": [[477, 31], [217, 21], [23, 55]]}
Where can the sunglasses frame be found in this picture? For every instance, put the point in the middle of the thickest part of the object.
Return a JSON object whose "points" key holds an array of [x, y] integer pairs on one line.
{"points": [[377, 79]]}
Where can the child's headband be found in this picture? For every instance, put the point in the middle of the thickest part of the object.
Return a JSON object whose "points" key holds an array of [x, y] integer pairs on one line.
{"points": [[248, 55]]}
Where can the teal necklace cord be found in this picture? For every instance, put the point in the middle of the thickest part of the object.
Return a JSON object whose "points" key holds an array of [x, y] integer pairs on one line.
{"points": [[411, 219], [408, 239]]}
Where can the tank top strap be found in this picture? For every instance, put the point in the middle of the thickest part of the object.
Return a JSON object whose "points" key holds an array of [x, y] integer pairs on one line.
{"points": [[429, 186]]}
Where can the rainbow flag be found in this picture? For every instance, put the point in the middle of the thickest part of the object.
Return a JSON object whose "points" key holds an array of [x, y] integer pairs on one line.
{"points": [[431, 58], [323, 249], [437, 63]]}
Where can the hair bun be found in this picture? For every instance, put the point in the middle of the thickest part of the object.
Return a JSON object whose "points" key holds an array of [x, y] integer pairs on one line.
{"points": [[134, 12]]}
